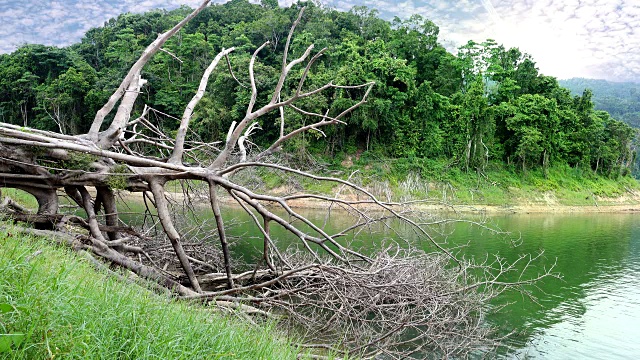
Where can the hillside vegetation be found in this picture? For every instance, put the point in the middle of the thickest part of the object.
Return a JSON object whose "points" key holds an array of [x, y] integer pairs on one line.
{"points": [[485, 105]]}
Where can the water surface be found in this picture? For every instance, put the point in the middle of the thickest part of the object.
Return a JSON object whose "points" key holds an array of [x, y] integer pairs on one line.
{"points": [[593, 312]]}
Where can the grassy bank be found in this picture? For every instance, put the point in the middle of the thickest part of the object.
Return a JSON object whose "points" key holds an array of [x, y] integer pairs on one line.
{"points": [[498, 185], [65, 309]]}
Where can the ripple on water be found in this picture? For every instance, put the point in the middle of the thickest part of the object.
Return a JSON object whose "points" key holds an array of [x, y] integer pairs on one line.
{"points": [[594, 313], [603, 325]]}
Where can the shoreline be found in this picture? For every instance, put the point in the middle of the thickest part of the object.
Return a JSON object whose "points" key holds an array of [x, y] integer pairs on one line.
{"points": [[611, 206], [480, 208]]}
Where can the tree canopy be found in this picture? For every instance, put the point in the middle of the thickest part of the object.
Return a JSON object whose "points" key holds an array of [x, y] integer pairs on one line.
{"points": [[485, 103]]}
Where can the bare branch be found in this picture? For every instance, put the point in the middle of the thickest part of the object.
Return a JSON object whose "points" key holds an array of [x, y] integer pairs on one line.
{"points": [[252, 77], [266, 232], [231, 72], [283, 72], [382, 205], [276, 145], [176, 156], [171, 54], [123, 114], [174, 236], [243, 151], [215, 205], [303, 78], [135, 69], [251, 287]]}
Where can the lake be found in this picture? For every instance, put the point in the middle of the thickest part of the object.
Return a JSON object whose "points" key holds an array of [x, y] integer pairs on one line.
{"points": [[593, 312]]}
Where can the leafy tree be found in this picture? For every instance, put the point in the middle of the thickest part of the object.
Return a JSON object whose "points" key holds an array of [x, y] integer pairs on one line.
{"points": [[484, 103], [534, 125], [478, 125]]}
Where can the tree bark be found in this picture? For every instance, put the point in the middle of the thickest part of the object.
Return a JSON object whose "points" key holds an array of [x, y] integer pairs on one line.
{"points": [[215, 205], [172, 234]]}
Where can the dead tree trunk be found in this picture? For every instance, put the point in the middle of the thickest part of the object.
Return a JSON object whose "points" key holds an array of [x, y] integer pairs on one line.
{"points": [[329, 271]]}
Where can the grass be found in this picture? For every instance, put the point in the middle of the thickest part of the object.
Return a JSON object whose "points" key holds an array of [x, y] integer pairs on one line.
{"points": [[498, 185], [20, 197], [66, 309]]}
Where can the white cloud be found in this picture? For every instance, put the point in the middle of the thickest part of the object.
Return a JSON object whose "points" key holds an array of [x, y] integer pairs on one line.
{"points": [[589, 38]]}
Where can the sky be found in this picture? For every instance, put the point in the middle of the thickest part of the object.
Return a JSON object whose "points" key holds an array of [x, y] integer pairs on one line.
{"points": [[597, 39]]}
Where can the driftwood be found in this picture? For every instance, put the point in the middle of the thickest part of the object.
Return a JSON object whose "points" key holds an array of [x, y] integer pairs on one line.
{"points": [[393, 303]]}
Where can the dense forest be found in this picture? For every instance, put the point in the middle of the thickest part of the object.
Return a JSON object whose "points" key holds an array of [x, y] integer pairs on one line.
{"points": [[484, 105]]}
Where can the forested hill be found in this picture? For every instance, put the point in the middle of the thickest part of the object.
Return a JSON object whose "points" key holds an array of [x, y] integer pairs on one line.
{"points": [[621, 100], [485, 105]]}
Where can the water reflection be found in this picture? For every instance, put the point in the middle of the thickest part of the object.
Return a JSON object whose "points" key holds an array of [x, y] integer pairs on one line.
{"points": [[594, 313]]}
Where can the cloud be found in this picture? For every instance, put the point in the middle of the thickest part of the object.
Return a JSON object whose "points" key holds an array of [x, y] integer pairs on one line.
{"points": [[587, 38], [63, 22], [567, 38]]}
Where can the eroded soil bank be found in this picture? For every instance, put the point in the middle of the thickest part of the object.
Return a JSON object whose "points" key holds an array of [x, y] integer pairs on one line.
{"points": [[546, 203]]}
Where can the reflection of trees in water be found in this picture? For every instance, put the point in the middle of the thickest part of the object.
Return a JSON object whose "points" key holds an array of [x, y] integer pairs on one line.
{"points": [[591, 250]]}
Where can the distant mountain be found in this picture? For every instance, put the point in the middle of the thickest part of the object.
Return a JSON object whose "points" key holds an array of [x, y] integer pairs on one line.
{"points": [[620, 99]]}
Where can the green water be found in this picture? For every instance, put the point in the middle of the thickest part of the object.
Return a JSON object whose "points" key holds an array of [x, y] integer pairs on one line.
{"points": [[593, 312]]}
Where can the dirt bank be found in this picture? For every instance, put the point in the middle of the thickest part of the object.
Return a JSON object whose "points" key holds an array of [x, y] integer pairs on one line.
{"points": [[544, 204]]}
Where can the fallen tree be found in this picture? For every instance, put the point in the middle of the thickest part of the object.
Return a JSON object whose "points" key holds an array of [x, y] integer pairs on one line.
{"points": [[394, 302]]}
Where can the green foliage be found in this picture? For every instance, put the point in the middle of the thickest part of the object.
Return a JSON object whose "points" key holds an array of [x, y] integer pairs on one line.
{"points": [[621, 100], [117, 178], [498, 185], [9, 341], [79, 161], [483, 105]]}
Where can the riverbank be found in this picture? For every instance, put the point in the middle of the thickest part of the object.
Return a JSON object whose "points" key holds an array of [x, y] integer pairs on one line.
{"points": [[499, 189], [608, 205], [544, 204]]}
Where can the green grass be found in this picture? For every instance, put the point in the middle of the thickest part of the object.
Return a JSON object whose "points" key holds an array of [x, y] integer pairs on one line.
{"points": [[20, 197], [66, 309], [498, 185], [566, 186]]}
